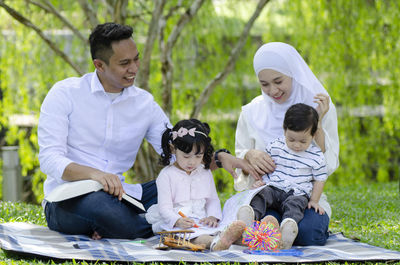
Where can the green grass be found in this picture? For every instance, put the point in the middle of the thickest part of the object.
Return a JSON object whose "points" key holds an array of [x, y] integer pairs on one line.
{"points": [[369, 213]]}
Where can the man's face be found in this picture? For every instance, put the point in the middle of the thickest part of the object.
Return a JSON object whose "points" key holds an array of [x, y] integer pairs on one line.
{"points": [[123, 65]]}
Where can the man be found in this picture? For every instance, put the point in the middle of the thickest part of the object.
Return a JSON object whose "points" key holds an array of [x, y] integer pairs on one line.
{"points": [[91, 127]]}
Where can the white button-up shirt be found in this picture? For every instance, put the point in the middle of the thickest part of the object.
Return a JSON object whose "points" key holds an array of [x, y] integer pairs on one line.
{"points": [[80, 123]]}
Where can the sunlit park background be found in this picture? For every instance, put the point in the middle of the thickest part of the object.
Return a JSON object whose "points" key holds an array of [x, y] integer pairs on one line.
{"points": [[196, 59]]}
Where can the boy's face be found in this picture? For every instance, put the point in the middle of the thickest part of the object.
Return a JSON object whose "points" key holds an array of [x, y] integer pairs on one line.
{"points": [[298, 141]]}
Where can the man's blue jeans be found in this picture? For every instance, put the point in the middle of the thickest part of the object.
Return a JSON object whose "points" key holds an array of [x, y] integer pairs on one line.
{"points": [[313, 228], [103, 213]]}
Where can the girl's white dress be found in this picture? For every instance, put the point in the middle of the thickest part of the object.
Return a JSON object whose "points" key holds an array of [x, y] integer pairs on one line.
{"points": [[194, 195]]}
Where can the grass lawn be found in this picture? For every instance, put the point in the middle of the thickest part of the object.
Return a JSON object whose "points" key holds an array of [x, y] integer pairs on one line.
{"points": [[368, 212]]}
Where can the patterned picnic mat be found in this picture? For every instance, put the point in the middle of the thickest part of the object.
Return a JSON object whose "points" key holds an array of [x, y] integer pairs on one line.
{"points": [[38, 240]]}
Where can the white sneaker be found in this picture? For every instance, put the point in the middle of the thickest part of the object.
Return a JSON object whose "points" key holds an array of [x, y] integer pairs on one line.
{"points": [[289, 232], [245, 214]]}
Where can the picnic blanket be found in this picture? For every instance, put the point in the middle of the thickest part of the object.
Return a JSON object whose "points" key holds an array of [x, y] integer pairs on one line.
{"points": [[38, 240]]}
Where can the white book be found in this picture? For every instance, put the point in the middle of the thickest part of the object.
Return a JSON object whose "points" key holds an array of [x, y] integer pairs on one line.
{"points": [[73, 189]]}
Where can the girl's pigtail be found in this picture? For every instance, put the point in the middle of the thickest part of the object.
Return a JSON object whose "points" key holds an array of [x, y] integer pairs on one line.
{"points": [[209, 149], [166, 149]]}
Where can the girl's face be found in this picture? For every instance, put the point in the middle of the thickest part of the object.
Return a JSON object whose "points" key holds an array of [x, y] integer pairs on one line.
{"points": [[298, 141], [188, 161], [275, 84]]}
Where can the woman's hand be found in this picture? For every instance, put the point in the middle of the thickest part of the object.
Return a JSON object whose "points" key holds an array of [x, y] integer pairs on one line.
{"points": [[260, 161], [323, 104], [210, 221], [230, 163]]}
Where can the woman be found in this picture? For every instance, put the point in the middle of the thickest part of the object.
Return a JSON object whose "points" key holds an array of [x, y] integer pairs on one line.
{"points": [[285, 80]]}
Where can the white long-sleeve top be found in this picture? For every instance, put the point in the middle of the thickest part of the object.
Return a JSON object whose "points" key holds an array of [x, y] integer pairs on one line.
{"points": [[194, 195], [80, 123]]}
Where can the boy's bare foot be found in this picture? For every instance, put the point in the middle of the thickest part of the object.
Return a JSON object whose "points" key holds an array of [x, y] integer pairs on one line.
{"points": [[229, 235]]}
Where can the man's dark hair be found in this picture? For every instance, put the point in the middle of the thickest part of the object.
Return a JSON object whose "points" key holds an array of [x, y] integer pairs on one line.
{"points": [[301, 117], [103, 36]]}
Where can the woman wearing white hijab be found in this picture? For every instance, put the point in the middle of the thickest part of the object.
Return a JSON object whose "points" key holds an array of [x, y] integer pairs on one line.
{"points": [[285, 80]]}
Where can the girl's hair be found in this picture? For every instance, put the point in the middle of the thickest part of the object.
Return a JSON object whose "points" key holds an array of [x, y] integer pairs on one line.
{"points": [[184, 136], [301, 117]]}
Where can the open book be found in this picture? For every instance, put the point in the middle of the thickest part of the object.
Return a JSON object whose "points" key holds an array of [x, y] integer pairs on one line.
{"points": [[76, 188]]}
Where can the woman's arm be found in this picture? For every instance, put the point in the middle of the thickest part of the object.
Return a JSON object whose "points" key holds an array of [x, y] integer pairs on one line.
{"points": [[327, 137]]}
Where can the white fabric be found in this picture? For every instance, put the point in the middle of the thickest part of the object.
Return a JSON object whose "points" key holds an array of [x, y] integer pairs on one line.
{"points": [[283, 58], [80, 123], [194, 195], [295, 170]]}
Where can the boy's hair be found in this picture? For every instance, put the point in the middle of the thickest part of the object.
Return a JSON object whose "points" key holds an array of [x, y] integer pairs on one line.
{"points": [[199, 138], [301, 117], [103, 36]]}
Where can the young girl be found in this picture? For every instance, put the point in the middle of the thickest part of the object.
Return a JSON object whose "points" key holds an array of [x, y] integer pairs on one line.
{"points": [[186, 188]]}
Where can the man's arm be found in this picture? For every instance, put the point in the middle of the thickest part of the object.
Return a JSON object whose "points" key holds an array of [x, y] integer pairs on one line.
{"points": [[111, 182]]}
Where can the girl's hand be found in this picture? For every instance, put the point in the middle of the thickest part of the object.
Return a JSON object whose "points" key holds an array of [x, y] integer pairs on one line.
{"points": [[210, 221], [316, 206], [184, 222], [257, 184], [323, 104], [260, 161]]}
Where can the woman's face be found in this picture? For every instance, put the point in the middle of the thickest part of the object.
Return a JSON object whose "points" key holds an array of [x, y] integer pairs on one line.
{"points": [[275, 84]]}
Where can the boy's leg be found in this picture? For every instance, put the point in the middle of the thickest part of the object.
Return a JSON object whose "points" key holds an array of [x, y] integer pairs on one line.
{"points": [[293, 207], [266, 198]]}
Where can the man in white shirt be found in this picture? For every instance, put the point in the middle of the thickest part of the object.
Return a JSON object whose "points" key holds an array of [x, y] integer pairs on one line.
{"points": [[91, 127]]}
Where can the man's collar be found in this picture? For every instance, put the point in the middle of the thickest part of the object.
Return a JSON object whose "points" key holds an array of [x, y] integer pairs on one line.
{"points": [[96, 86]]}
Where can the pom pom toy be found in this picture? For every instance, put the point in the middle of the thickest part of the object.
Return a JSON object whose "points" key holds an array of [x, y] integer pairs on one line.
{"points": [[262, 236]]}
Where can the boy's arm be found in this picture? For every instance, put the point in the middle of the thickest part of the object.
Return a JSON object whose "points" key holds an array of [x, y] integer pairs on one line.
{"points": [[318, 187]]}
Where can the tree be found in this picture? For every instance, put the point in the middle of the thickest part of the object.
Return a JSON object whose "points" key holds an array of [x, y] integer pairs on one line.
{"points": [[165, 21]]}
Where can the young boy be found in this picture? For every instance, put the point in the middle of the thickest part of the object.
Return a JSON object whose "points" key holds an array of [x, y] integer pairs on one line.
{"points": [[298, 179]]}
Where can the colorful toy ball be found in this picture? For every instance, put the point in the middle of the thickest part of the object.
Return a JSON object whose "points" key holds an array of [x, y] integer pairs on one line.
{"points": [[262, 236]]}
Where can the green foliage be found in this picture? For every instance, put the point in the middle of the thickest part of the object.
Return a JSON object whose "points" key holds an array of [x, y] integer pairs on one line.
{"points": [[352, 46]]}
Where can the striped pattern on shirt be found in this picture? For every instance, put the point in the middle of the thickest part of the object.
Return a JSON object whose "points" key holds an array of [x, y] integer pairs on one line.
{"points": [[295, 170]]}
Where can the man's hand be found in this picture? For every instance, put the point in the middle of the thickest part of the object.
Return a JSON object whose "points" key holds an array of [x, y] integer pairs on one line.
{"points": [[260, 161], [230, 163], [111, 183], [210, 221]]}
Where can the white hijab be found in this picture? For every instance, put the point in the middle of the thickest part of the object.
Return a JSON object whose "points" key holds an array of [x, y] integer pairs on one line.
{"points": [[268, 117]]}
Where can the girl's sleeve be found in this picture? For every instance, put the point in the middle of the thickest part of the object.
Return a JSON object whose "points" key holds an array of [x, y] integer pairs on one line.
{"points": [[330, 127], [213, 205], [165, 203]]}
